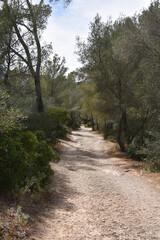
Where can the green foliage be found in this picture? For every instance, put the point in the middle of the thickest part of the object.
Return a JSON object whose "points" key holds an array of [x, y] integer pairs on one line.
{"points": [[59, 115], [60, 118], [121, 83], [136, 151], [75, 121], [52, 122], [24, 155], [24, 162], [9, 117], [153, 154], [54, 80], [109, 133], [61, 90], [88, 124], [25, 17], [72, 93], [21, 217]]}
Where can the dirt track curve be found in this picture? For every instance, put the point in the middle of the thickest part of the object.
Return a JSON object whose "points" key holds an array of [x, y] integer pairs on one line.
{"points": [[92, 198]]}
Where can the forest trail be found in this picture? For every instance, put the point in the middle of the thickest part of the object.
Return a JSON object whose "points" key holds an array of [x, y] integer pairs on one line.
{"points": [[93, 198]]}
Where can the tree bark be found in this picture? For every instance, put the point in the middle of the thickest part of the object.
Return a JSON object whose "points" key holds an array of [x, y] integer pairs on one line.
{"points": [[28, 59], [97, 125], [125, 127], [120, 130], [92, 120], [38, 93]]}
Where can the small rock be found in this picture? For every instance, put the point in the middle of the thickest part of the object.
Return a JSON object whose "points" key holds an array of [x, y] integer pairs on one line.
{"points": [[21, 234], [103, 220]]}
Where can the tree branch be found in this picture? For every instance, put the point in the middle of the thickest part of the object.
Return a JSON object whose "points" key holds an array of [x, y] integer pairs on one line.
{"points": [[19, 55], [29, 61], [24, 25]]}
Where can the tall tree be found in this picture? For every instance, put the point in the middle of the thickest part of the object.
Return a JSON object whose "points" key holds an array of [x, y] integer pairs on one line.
{"points": [[54, 79], [117, 79], [28, 21]]}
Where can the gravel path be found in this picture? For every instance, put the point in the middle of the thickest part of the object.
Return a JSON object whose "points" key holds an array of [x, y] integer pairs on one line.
{"points": [[92, 198]]}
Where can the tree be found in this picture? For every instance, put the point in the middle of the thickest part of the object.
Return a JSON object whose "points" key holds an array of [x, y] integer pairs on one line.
{"points": [[72, 92], [107, 72], [28, 22], [5, 58], [117, 75], [54, 79], [139, 44]]}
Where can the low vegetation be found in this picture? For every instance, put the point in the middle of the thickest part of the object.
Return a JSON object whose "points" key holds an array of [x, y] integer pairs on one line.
{"points": [[39, 101]]}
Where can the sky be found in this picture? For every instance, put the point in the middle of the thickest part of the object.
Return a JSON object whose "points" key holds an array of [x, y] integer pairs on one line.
{"points": [[65, 24]]}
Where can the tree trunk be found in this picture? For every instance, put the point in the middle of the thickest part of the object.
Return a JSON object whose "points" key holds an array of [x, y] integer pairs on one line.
{"points": [[97, 125], [140, 128], [38, 94], [105, 124], [6, 79], [125, 127], [6, 75], [92, 120], [120, 130]]}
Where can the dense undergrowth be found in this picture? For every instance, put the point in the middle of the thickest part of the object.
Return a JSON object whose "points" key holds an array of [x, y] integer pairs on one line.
{"points": [[145, 147], [27, 148]]}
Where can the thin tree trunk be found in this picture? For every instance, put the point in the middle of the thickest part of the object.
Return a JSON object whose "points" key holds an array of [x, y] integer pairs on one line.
{"points": [[38, 94], [6, 75], [105, 124], [125, 127], [97, 125], [92, 120], [120, 130]]}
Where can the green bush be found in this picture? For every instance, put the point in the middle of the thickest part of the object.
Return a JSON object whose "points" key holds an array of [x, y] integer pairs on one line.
{"points": [[138, 152], [24, 156], [109, 131], [60, 119], [24, 161], [75, 121], [9, 117], [59, 115], [145, 147], [88, 124], [153, 154], [53, 122]]}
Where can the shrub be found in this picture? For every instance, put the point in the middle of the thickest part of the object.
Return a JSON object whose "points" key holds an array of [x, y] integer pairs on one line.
{"points": [[60, 116], [9, 117], [53, 122], [60, 119], [136, 151], [24, 155], [89, 124], [153, 154], [109, 131], [24, 162], [75, 121]]}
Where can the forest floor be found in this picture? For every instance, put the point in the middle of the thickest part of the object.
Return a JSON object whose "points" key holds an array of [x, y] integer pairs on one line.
{"points": [[97, 194]]}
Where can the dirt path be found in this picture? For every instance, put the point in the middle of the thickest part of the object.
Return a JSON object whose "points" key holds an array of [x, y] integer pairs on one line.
{"points": [[93, 198]]}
